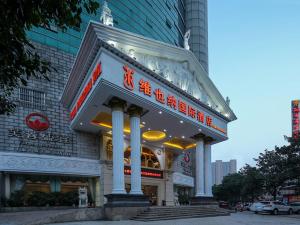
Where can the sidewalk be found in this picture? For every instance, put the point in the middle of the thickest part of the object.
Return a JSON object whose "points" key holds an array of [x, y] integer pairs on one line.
{"points": [[49, 216]]}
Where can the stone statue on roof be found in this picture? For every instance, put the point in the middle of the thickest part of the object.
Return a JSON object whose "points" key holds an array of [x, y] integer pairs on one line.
{"points": [[106, 17], [186, 39]]}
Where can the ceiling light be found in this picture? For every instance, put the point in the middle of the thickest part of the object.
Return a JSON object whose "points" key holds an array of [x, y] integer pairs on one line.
{"points": [[182, 136], [154, 135], [181, 121], [199, 130], [80, 123], [170, 136], [165, 130], [144, 122], [149, 128], [160, 112]]}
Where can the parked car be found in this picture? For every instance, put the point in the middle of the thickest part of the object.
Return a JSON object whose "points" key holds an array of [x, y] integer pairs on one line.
{"points": [[223, 205], [296, 207], [258, 206], [275, 207]]}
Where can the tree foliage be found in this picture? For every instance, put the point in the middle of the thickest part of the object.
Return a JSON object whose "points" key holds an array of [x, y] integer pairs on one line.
{"points": [[230, 189], [246, 185], [280, 165], [18, 60], [252, 183]]}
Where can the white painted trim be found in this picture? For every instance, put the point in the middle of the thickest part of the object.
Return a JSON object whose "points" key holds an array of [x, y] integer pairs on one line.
{"points": [[46, 164]]}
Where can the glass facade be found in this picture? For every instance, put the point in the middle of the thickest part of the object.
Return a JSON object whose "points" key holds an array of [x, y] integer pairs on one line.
{"points": [[161, 20]]}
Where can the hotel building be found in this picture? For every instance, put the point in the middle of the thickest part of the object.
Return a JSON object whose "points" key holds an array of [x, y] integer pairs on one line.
{"points": [[129, 111]]}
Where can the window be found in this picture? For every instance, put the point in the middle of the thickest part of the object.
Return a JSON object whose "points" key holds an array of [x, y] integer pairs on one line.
{"points": [[168, 23], [149, 22], [32, 98], [168, 4], [148, 1]]}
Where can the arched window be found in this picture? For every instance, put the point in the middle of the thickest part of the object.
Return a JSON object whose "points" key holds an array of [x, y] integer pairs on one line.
{"points": [[148, 158]]}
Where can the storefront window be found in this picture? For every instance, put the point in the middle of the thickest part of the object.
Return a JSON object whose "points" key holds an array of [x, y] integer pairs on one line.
{"points": [[47, 190]]}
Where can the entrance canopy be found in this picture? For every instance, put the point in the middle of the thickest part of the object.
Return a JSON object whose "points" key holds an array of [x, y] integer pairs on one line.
{"points": [[178, 99]]}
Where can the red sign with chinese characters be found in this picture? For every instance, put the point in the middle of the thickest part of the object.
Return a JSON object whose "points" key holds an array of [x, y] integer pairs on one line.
{"points": [[145, 172], [86, 90], [37, 122], [128, 77], [295, 118], [168, 99]]}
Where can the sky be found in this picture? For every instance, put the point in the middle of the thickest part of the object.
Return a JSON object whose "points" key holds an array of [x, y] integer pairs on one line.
{"points": [[254, 58]]}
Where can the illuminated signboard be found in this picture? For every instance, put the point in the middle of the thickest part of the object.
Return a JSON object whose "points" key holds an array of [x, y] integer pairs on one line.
{"points": [[144, 86], [86, 90], [145, 172], [295, 118]]}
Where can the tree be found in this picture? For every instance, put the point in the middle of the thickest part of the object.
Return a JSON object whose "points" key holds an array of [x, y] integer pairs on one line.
{"points": [[271, 165], [291, 159], [252, 183], [230, 189], [18, 60]]}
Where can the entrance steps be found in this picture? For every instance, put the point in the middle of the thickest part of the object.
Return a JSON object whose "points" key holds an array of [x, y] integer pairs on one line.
{"points": [[178, 212]]}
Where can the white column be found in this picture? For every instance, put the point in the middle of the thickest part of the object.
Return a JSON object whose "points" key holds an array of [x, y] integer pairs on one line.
{"points": [[135, 143], [200, 168], [118, 150], [208, 170]]}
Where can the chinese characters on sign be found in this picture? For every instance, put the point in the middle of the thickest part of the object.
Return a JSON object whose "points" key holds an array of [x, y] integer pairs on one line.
{"points": [[128, 77], [86, 90], [170, 100], [295, 118]]}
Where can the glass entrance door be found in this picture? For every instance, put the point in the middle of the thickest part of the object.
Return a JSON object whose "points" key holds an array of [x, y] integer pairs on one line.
{"points": [[151, 191]]}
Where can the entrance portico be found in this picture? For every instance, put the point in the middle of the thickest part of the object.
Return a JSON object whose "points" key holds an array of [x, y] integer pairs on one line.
{"points": [[157, 96]]}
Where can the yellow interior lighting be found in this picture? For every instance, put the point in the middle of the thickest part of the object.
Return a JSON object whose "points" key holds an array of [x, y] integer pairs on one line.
{"points": [[173, 145], [153, 135], [180, 143], [110, 127], [104, 119], [190, 146]]}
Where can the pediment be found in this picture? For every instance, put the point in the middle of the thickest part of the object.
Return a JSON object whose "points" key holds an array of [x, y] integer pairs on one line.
{"points": [[174, 64]]}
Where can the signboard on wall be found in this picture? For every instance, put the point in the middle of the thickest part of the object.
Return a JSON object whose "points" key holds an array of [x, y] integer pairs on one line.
{"points": [[145, 172], [38, 139], [295, 118]]}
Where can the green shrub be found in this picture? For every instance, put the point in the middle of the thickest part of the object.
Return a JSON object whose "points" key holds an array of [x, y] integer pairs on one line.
{"points": [[17, 199], [38, 198]]}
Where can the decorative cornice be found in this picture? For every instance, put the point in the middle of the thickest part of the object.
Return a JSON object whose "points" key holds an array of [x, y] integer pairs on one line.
{"points": [[31, 163]]}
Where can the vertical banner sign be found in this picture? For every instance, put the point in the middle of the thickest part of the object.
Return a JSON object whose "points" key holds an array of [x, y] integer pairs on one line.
{"points": [[295, 118]]}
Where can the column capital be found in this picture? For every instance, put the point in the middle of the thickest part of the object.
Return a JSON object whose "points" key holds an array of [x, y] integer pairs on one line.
{"points": [[208, 140], [117, 103], [199, 136], [135, 110]]}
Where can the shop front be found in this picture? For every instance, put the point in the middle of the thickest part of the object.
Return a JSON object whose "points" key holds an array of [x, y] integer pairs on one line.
{"points": [[150, 103]]}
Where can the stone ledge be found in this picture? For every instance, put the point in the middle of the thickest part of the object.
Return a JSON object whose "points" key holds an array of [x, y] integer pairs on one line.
{"points": [[127, 200]]}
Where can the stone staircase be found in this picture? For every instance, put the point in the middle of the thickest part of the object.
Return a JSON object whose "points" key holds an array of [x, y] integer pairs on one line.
{"points": [[178, 212]]}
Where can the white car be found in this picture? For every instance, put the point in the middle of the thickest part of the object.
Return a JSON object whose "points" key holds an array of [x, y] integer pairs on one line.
{"points": [[258, 206], [275, 207], [296, 207]]}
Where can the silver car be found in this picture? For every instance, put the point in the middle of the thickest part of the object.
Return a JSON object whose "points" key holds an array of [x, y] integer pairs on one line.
{"points": [[296, 207], [275, 207], [258, 206]]}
